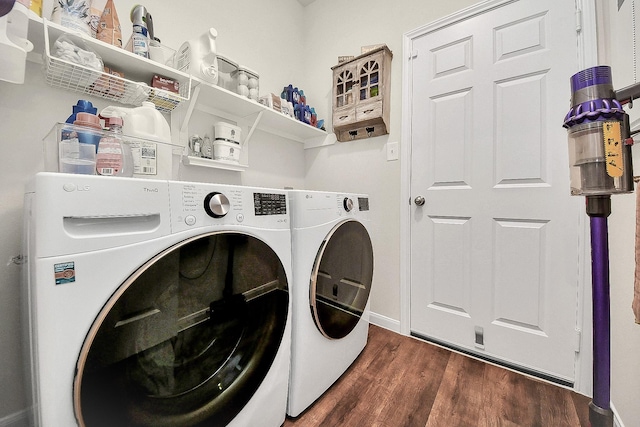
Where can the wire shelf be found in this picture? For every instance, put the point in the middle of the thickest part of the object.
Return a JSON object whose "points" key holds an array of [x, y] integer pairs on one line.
{"points": [[70, 76]]}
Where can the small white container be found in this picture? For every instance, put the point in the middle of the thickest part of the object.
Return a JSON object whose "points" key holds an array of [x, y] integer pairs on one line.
{"points": [[226, 146], [226, 151], [226, 132]]}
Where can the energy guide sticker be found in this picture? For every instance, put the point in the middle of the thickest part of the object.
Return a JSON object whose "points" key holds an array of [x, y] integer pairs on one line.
{"points": [[64, 272]]}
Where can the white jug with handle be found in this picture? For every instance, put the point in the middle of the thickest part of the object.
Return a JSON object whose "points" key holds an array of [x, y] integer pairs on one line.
{"points": [[199, 58], [149, 124]]}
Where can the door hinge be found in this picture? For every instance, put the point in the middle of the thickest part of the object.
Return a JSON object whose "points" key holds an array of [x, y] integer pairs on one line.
{"points": [[578, 341], [578, 21], [413, 54]]}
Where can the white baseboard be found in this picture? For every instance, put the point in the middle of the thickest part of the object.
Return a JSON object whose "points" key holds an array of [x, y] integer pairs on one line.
{"points": [[383, 322], [617, 422], [17, 419]]}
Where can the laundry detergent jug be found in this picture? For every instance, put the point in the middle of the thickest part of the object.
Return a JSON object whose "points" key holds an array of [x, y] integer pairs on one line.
{"points": [[143, 127], [198, 57]]}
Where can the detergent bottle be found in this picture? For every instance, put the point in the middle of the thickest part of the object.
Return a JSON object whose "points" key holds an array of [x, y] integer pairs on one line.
{"points": [[148, 134], [198, 57]]}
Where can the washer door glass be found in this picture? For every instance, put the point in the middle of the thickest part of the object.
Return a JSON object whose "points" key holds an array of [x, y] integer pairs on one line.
{"points": [[187, 339], [341, 279]]}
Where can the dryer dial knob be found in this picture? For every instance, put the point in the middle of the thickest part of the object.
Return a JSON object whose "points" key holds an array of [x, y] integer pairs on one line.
{"points": [[348, 204], [216, 205]]}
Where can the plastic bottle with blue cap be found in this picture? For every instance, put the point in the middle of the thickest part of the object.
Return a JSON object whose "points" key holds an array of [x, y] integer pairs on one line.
{"points": [[82, 106]]}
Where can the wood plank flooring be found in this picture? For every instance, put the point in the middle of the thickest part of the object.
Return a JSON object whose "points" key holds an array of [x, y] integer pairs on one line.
{"points": [[400, 381]]}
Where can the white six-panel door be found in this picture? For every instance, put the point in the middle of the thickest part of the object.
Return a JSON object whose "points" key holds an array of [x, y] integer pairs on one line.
{"points": [[494, 248]]}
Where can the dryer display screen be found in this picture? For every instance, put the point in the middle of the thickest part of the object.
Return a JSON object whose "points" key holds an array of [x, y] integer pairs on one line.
{"points": [[269, 204], [363, 203]]}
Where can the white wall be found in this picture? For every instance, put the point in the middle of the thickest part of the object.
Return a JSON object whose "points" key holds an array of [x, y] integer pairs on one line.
{"points": [[616, 50], [339, 28]]}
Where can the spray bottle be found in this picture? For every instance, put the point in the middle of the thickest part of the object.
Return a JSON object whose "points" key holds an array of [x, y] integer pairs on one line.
{"points": [[140, 36], [114, 155]]}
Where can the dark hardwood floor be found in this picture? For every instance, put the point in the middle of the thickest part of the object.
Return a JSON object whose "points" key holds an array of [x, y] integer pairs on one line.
{"points": [[400, 381]]}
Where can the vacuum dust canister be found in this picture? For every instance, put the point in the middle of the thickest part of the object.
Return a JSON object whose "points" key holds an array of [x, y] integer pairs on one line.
{"points": [[598, 132]]}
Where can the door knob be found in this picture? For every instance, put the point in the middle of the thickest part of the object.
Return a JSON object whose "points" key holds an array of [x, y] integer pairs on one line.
{"points": [[419, 201]]}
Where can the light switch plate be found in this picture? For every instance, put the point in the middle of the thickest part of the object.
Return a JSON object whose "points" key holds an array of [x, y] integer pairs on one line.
{"points": [[392, 151]]}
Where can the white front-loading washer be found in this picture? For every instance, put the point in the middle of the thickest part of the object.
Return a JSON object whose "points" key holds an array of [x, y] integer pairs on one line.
{"points": [[332, 275], [156, 303]]}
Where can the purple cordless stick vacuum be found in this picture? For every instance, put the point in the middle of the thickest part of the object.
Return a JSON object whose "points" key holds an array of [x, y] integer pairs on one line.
{"points": [[600, 165]]}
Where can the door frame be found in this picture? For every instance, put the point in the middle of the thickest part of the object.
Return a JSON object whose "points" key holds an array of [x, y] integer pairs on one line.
{"points": [[586, 24]]}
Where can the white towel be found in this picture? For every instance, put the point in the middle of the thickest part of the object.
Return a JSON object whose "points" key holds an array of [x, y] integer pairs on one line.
{"points": [[636, 291]]}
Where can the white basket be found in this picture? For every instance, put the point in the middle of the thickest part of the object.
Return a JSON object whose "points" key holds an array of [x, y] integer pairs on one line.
{"points": [[67, 75]]}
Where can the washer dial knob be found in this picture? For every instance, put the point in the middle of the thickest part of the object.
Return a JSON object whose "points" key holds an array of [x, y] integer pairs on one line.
{"points": [[348, 204], [216, 205]]}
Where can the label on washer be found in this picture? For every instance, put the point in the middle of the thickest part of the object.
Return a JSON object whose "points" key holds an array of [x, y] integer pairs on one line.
{"points": [[64, 272]]}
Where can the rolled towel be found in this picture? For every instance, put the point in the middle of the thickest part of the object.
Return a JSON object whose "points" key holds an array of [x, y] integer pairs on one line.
{"points": [[76, 52]]}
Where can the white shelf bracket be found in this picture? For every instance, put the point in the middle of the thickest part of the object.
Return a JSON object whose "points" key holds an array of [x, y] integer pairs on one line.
{"points": [[253, 128], [189, 112]]}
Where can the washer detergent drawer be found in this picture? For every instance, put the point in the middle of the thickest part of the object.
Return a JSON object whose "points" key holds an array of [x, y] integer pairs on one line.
{"points": [[83, 213]]}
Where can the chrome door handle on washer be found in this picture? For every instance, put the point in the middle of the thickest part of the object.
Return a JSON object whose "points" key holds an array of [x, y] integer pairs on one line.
{"points": [[419, 201]]}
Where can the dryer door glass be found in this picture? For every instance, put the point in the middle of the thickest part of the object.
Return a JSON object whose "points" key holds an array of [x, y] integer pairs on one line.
{"points": [[187, 339], [341, 279]]}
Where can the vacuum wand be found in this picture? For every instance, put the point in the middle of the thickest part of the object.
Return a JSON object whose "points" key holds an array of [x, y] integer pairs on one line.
{"points": [[600, 413]]}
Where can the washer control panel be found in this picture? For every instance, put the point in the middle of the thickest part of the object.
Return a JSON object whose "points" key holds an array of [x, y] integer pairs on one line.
{"points": [[201, 204]]}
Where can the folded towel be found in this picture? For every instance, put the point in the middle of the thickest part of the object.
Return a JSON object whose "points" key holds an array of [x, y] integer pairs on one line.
{"points": [[70, 52], [636, 291]]}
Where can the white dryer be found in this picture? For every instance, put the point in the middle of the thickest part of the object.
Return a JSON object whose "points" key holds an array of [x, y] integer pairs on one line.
{"points": [[332, 274], [156, 303]]}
